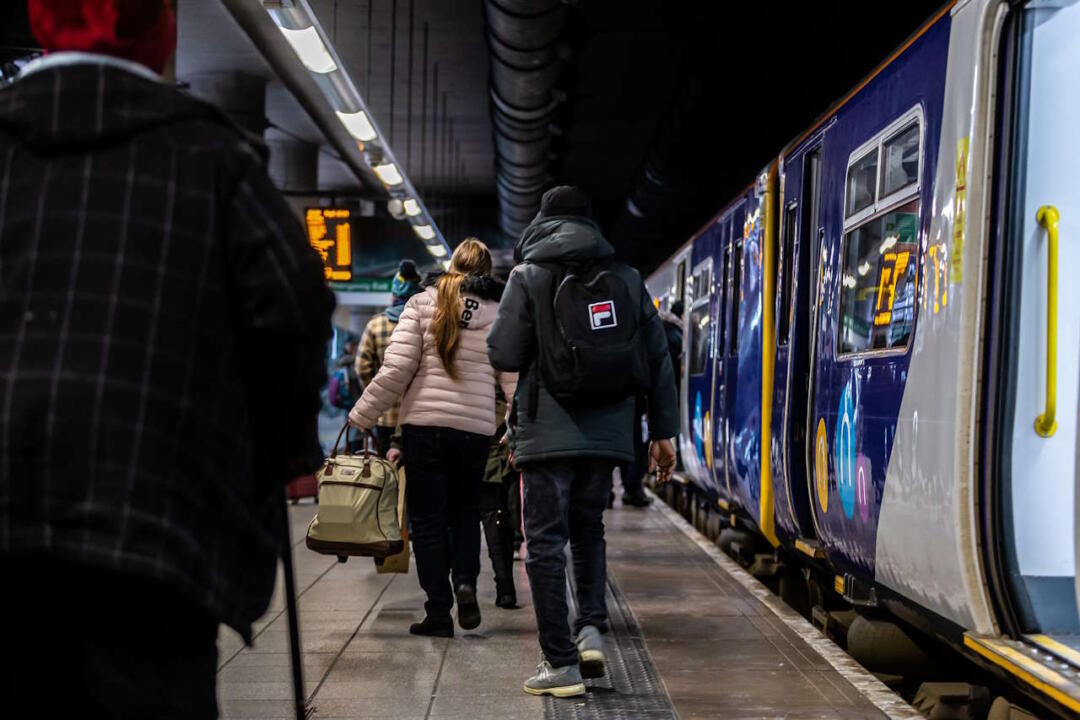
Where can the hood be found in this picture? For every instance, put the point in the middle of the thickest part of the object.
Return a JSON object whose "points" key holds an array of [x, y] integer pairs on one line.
{"points": [[562, 239], [481, 287], [93, 103]]}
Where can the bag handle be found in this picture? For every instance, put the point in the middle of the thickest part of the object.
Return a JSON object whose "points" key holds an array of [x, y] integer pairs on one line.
{"points": [[367, 434]]}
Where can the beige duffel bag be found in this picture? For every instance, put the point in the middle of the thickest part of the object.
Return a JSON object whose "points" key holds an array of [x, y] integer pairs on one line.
{"points": [[358, 506]]}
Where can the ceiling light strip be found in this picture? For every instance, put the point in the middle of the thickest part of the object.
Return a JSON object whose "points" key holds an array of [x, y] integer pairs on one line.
{"points": [[301, 29]]}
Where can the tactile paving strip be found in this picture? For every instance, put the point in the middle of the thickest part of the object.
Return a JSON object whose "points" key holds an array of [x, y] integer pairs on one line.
{"points": [[632, 688]]}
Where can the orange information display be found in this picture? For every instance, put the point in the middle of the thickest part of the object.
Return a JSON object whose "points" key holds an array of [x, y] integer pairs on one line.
{"points": [[330, 233]]}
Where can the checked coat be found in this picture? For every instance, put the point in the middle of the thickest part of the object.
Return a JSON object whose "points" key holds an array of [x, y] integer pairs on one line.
{"points": [[163, 326]]}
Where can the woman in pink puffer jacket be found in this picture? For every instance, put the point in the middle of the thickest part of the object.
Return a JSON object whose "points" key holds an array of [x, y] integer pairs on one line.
{"points": [[437, 363]]}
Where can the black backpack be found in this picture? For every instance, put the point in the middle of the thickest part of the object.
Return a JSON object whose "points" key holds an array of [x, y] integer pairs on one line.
{"points": [[589, 344]]}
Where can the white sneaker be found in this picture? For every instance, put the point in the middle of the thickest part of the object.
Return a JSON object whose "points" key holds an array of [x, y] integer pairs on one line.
{"points": [[590, 646], [561, 682]]}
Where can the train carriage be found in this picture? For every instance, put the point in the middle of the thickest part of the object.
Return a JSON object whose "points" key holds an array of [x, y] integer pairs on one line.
{"points": [[882, 353]]}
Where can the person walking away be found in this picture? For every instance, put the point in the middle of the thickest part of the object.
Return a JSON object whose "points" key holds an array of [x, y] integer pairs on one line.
{"points": [[165, 332], [633, 472], [500, 482], [673, 330], [437, 366], [373, 346], [566, 450]]}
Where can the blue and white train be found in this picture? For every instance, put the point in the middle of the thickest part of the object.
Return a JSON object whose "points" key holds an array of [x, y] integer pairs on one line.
{"points": [[882, 340]]}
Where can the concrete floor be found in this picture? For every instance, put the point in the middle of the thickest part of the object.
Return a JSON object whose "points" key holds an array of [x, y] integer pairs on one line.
{"points": [[719, 650]]}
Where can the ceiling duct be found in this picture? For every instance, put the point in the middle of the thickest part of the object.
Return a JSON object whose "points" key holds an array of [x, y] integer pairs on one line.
{"points": [[522, 37]]}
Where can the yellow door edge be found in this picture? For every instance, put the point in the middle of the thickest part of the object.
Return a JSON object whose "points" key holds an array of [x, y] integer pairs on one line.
{"points": [[1024, 668], [767, 520]]}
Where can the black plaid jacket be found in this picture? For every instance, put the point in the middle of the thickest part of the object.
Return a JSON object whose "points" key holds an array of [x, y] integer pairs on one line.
{"points": [[163, 326]]}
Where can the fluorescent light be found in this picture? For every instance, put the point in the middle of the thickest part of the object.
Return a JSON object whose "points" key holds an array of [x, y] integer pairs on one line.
{"points": [[437, 250], [445, 264], [849, 281], [864, 268], [358, 125], [887, 244], [309, 47], [424, 231], [388, 173], [412, 208]]}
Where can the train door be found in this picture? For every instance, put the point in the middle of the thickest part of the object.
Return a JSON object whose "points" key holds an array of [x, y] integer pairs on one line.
{"points": [[735, 469], [1037, 486], [720, 345], [700, 322], [797, 252]]}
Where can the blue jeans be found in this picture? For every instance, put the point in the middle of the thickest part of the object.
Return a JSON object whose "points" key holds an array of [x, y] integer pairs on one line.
{"points": [[565, 500], [443, 471]]}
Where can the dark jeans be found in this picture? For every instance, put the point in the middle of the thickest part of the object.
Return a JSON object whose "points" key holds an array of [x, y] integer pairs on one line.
{"points": [[93, 644], [443, 472], [565, 500]]}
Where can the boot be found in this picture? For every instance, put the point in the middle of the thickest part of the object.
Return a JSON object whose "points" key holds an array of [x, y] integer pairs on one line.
{"points": [[500, 540]]}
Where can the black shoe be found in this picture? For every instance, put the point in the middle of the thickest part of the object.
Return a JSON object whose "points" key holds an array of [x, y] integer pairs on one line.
{"points": [[638, 499], [507, 600], [468, 611], [433, 628]]}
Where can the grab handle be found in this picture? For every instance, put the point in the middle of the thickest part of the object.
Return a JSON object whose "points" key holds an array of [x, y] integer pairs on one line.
{"points": [[1046, 424]]}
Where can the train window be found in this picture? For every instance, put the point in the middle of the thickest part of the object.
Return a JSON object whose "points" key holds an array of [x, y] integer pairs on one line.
{"points": [[861, 183], [878, 282], [680, 281], [900, 160], [736, 296], [787, 275], [699, 338]]}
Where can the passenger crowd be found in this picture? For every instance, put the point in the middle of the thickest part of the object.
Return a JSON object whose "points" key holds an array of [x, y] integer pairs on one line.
{"points": [[162, 353]]}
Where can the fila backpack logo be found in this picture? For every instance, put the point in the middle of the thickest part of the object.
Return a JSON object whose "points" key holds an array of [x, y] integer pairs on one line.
{"points": [[602, 315]]}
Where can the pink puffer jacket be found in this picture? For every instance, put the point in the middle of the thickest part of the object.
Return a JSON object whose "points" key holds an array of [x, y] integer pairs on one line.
{"points": [[412, 368]]}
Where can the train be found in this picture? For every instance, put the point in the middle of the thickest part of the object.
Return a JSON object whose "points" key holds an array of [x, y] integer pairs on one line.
{"points": [[881, 359]]}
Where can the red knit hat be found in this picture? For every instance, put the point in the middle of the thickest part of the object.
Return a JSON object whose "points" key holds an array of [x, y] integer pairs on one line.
{"points": [[143, 31]]}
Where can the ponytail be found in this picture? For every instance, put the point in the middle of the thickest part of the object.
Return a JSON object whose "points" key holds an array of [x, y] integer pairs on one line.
{"points": [[470, 258], [444, 324]]}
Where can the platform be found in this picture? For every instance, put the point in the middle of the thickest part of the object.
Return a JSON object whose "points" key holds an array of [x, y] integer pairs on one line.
{"points": [[693, 636]]}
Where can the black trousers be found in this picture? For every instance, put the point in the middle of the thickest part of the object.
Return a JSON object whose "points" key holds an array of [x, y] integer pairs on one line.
{"points": [[87, 643], [565, 500], [443, 471]]}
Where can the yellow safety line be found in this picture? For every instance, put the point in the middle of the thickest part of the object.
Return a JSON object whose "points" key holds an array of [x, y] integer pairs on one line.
{"points": [[767, 522], [1051, 645], [1011, 661]]}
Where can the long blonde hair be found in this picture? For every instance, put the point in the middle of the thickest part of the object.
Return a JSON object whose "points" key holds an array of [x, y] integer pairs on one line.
{"points": [[471, 257]]}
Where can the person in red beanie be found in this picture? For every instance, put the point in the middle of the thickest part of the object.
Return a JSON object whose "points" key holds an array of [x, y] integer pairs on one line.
{"points": [[141, 31], [155, 284]]}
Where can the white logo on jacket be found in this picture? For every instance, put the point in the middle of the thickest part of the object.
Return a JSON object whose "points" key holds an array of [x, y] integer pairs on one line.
{"points": [[471, 306], [602, 315]]}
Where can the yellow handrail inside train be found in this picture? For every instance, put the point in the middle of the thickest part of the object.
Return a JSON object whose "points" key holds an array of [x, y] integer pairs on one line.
{"points": [[768, 355], [1046, 423]]}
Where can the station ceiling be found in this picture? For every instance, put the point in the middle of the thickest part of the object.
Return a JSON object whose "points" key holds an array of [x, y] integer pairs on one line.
{"points": [[673, 104]]}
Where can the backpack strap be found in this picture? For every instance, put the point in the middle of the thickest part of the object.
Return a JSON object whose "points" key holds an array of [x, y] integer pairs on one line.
{"points": [[556, 272]]}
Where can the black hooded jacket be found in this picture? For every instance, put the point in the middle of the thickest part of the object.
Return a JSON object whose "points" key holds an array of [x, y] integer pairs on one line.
{"points": [[559, 432], [164, 331]]}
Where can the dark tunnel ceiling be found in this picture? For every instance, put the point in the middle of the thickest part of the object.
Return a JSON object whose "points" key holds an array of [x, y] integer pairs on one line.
{"points": [[702, 94]]}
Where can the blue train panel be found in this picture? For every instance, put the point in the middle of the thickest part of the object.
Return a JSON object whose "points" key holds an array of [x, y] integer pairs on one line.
{"points": [[879, 160]]}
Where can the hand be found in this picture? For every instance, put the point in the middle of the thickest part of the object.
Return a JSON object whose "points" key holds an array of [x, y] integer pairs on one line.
{"points": [[662, 452], [394, 455]]}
